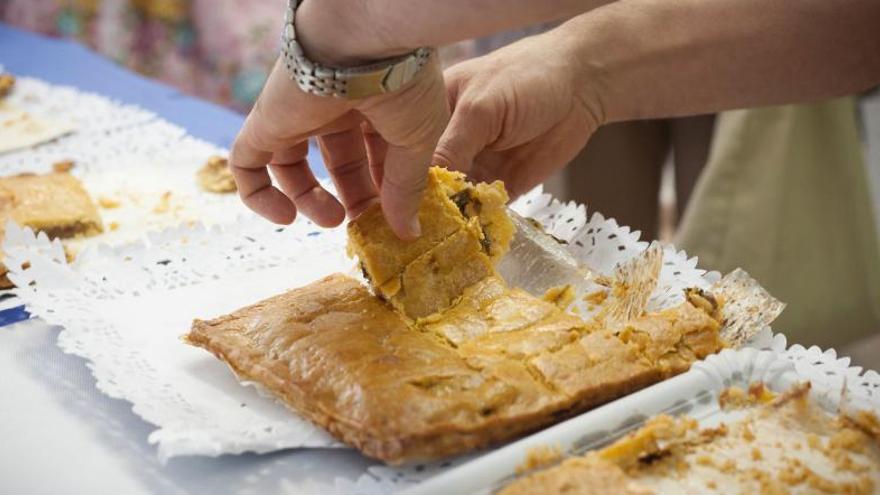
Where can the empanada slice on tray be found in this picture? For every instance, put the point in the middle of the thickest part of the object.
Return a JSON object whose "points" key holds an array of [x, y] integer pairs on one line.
{"points": [[453, 359]]}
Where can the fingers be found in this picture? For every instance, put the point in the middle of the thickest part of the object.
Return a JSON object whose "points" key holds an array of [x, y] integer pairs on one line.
{"points": [[345, 157], [275, 134], [248, 165], [295, 178], [377, 148], [410, 121], [469, 132], [404, 179]]}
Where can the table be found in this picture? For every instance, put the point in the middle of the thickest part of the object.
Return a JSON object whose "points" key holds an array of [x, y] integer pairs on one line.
{"points": [[59, 433]]}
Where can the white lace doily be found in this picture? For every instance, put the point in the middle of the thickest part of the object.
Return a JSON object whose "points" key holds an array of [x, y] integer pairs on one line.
{"points": [[123, 306], [140, 169]]}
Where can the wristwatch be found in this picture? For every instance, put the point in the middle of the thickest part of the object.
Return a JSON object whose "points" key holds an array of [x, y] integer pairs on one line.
{"points": [[383, 76]]}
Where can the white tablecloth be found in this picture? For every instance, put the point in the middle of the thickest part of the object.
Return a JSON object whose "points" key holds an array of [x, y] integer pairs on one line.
{"points": [[59, 434]]}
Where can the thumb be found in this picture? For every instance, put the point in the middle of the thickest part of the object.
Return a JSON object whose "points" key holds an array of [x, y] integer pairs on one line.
{"points": [[468, 133]]}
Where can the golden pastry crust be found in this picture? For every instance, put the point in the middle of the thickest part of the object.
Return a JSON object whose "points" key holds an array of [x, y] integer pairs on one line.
{"points": [[216, 177], [485, 202], [54, 203], [434, 280], [488, 203], [488, 307]]}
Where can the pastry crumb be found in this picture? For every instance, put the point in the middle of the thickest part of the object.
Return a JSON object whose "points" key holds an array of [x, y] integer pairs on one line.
{"points": [[737, 398], [733, 397], [596, 298], [108, 203], [63, 166], [215, 176], [538, 457], [561, 296], [164, 205]]}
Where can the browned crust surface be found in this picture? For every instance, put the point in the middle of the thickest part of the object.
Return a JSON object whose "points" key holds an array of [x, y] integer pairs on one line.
{"points": [[54, 203], [402, 392]]}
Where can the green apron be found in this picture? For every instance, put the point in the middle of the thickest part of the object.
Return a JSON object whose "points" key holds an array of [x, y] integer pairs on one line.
{"points": [[785, 196]]}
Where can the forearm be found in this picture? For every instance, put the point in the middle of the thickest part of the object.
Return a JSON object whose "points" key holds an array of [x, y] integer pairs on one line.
{"points": [[663, 58], [348, 31]]}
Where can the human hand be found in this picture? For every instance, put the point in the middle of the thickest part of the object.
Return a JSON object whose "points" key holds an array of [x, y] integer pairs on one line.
{"points": [[519, 113], [374, 148]]}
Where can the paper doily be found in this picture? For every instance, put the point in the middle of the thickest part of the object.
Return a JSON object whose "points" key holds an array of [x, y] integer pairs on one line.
{"points": [[140, 169]]}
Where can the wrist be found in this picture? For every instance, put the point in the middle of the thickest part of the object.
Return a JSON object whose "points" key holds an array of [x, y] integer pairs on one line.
{"points": [[586, 77], [341, 33], [617, 58]]}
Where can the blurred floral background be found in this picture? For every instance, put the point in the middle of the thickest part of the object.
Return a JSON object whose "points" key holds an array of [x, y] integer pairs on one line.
{"points": [[220, 50], [217, 49]]}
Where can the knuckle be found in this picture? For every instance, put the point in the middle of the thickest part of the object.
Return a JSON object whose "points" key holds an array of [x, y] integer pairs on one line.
{"points": [[473, 108], [444, 154]]}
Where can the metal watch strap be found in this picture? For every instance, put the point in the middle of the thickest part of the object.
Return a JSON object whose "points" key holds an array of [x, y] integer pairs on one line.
{"points": [[383, 76]]}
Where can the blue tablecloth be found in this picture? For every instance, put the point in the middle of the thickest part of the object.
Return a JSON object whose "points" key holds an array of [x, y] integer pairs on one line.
{"points": [[64, 62]]}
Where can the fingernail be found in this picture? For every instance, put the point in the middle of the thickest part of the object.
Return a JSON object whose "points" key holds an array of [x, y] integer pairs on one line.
{"points": [[415, 229]]}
